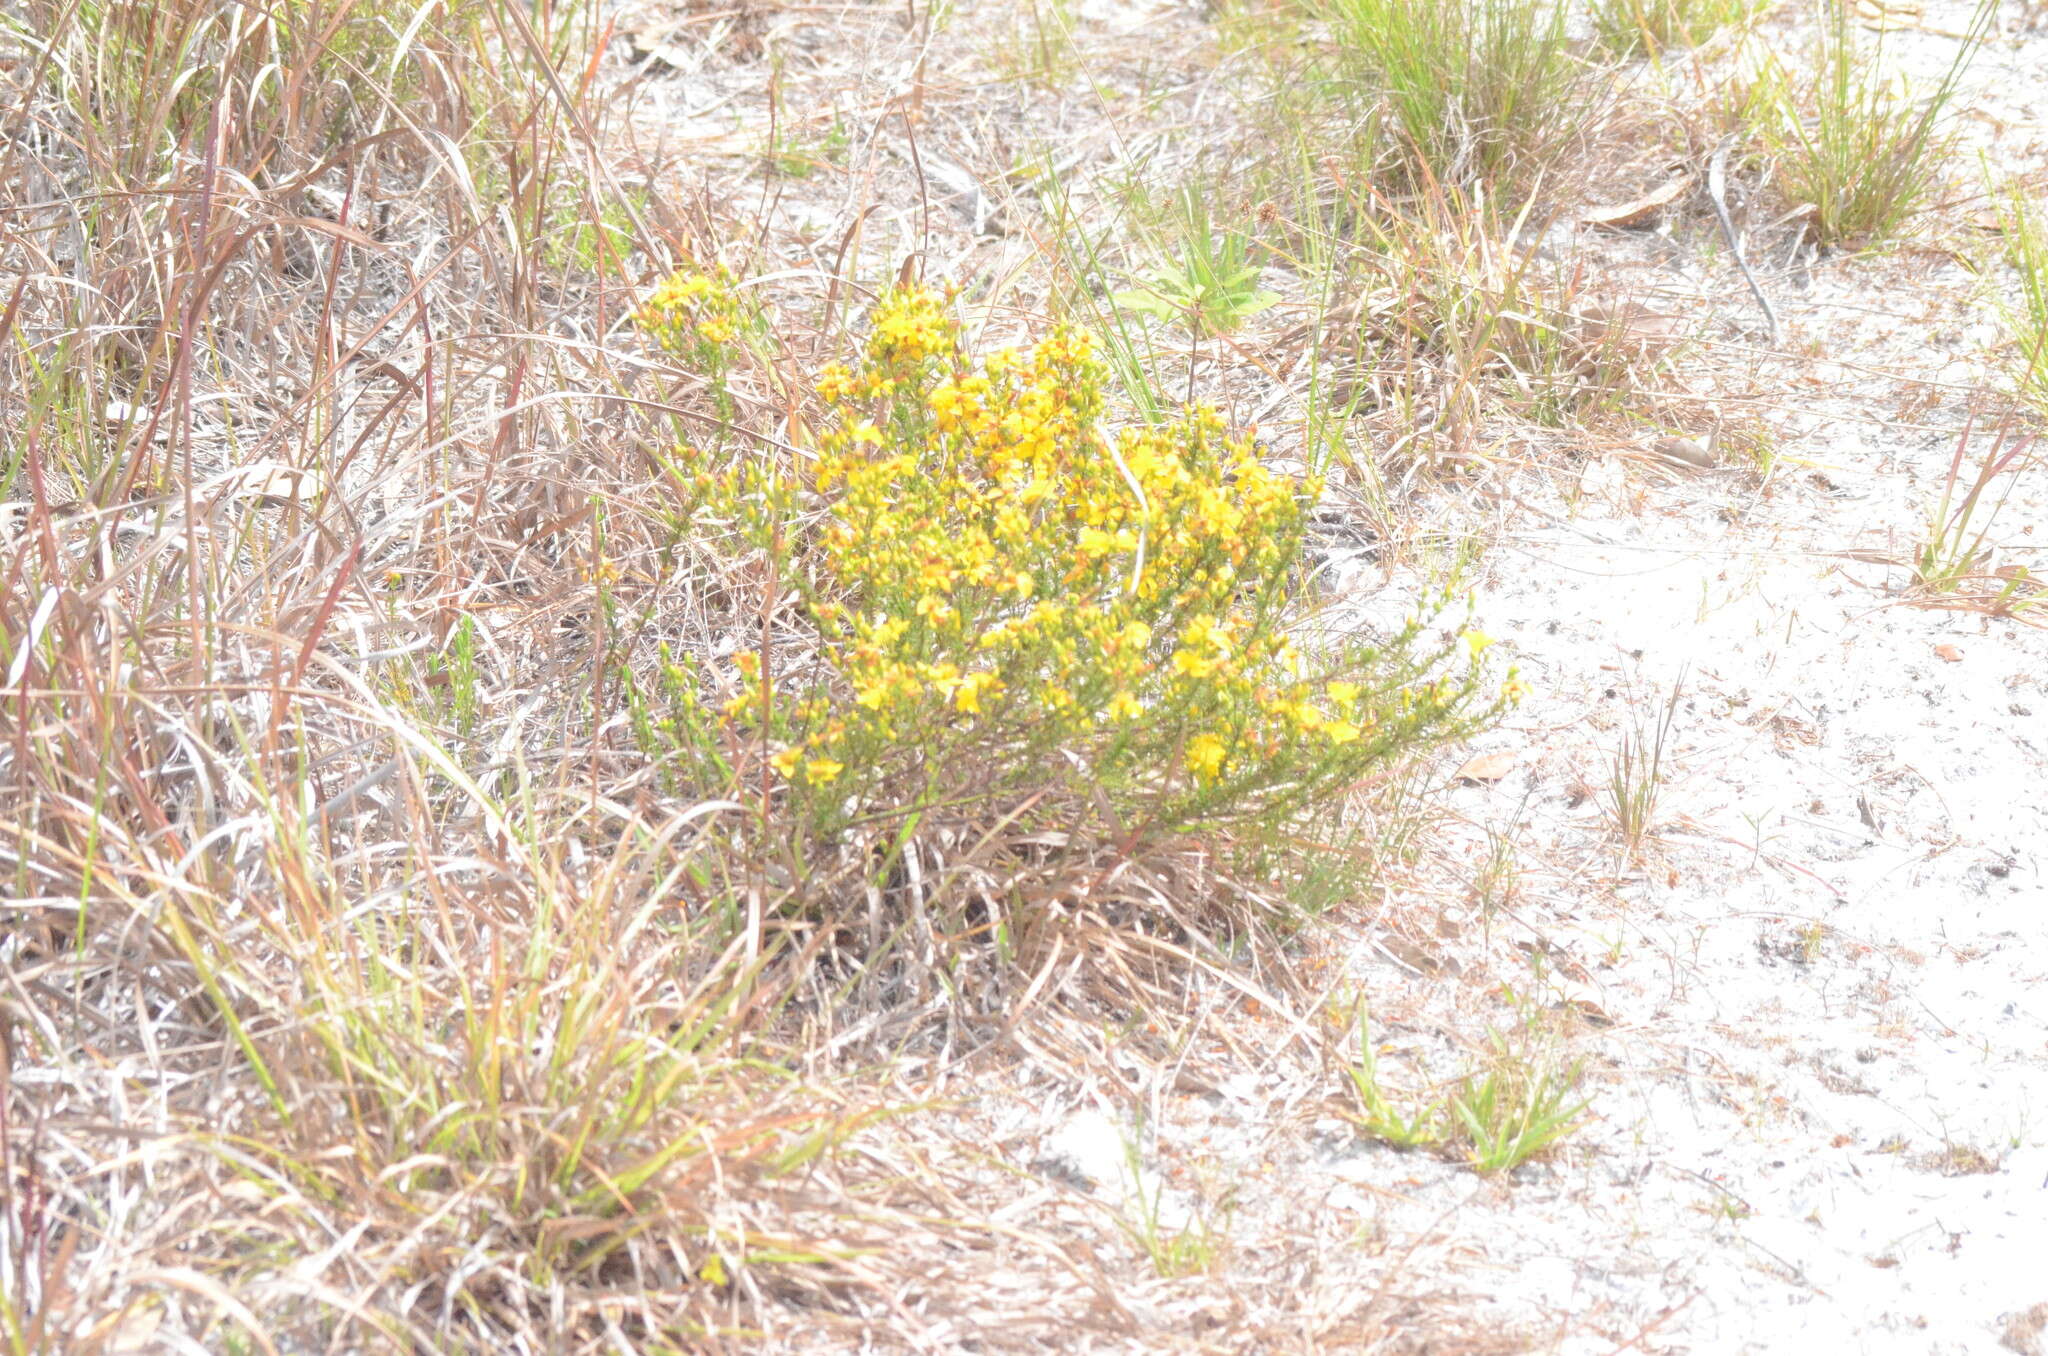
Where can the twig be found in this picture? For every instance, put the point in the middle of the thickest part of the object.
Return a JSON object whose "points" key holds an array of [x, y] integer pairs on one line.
{"points": [[1717, 189]]}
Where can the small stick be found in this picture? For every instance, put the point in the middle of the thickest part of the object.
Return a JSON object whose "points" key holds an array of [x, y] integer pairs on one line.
{"points": [[1717, 189]]}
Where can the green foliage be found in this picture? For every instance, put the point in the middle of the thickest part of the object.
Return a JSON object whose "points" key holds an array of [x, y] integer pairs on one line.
{"points": [[1037, 45], [1956, 556], [146, 73], [590, 233], [1421, 1128], [1520, 1101], [1193, 1247], [2026, 237], [1852, 139], [1523, 1101], [1214, 286], [1451, 316], [460, 667], [1635, 777], [798, 153], [1465, 91]]}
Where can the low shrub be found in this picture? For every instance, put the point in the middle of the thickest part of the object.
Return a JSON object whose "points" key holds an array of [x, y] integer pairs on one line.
{"points": [[974, 601]]}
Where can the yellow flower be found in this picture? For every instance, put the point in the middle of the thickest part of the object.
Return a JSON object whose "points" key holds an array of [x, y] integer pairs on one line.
{"points": [[971, 690], [1095, 542], [835, 383], [1123, 706], [1344, 694], [1476, 641], [1205, 756], [1340, 731], [786, 761], [1514, 689], [821, 770]]}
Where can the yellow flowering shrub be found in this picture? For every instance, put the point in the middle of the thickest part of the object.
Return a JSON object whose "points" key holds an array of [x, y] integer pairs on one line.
{"points": [[999, 598], [697, 315]]}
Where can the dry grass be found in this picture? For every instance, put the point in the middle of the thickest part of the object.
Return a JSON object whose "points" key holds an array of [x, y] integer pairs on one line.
{"points": [[324, 879], [367, 984]]}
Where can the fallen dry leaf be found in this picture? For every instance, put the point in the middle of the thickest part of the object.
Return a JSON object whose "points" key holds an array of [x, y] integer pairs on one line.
{"points": [[1684, 452], [1949, 653], [1485, 767], [1623, 216]]}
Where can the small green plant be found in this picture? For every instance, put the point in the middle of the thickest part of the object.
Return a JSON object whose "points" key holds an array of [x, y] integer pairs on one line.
{"points": [[1852, 139], [1214, 288], [1455, 322], [1956, 559], [590, 234], [1749, 443], [798, 153], [1377, 1115], [2026, 247], [1498, 877], [460, 667], [1037, 45], [1635, 776], [1329, 864], [1624, 28], [1520, 1101], [1465, 91], [1187, 1250]]}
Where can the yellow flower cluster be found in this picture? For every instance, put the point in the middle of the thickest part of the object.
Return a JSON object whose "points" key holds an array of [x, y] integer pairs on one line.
{"points": [[692, 308], [1007, 562], [697, 315], [994, 578]]}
